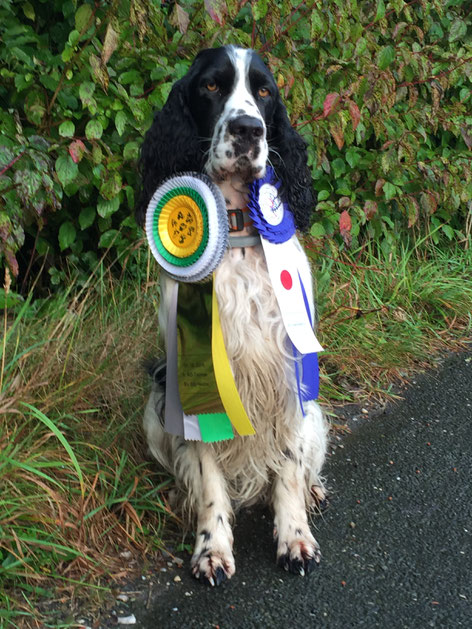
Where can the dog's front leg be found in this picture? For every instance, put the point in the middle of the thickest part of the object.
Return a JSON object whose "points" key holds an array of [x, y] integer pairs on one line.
{"points": [[212, 560], [297, 549]]}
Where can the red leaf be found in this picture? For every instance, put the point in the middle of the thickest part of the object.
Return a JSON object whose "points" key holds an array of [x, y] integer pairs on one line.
{"points": [[345, 227], [336, 131], [11, 261], [379, 184], [355, 114], [329, 103], [370, 208], [76, 150], [345, 223], [217, 10]]}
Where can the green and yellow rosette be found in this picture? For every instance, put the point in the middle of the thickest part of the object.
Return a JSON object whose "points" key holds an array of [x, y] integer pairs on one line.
{"points": [[187, 226]]}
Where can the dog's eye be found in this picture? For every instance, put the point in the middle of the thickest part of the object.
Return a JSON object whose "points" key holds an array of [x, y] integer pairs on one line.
{"points": [[212, 86], [263, 92]]}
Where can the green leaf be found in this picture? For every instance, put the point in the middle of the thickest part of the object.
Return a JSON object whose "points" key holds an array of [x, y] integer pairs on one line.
{"points": [[108, 238], [458, 30], [112, 186], [55, 430], [106, 208], [339, 167], [120, 122], [386, 56], [380, 10], [317, 230], [67, 129], [131, 76], [67, 235], [66, 169], [259, 9], [93, 130], [28, 10], [447, 229], [131, 151], [87, 217], [86, 91], [323, 195], [353, 157], [82, 17], [389, 190]]}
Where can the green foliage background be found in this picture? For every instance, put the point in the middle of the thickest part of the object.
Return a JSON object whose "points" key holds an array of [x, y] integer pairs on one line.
{"points": [[380, 90]]}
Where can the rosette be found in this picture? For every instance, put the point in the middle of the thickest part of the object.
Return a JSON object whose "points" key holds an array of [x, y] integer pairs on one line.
{"points": [[270, 215], [187, 226]]}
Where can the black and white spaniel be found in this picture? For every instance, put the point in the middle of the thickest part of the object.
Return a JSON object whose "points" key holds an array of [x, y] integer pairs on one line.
{"points": [[226, 118]]}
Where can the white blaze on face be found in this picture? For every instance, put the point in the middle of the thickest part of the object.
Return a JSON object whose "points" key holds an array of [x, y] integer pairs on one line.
{"points": [[223, 159]]}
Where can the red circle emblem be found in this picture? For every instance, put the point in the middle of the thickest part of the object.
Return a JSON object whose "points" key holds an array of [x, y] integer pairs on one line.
{"points": [[286, 280]]}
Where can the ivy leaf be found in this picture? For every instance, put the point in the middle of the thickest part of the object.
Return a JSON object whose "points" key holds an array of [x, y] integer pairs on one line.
{"points": [[386, 57], [67, 234], [93, 130], [67, 129], [66, 169], [82, 17]]}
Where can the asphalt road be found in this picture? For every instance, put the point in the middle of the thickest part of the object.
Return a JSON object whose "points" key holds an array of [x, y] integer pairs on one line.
{"points": [[396, 539]]}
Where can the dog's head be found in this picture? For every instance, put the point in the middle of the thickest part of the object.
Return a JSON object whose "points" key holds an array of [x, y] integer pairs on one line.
{"points": [[226, 117]]}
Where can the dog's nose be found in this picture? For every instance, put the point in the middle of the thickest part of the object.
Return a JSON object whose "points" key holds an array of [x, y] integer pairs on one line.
{"points": [[246, 127]]}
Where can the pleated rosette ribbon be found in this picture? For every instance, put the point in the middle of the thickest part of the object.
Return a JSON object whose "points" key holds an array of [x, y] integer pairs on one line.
{"points": [[290, 276], [187, 226]]}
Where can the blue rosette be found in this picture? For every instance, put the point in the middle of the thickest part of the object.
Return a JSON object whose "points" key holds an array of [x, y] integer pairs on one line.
{"points": [[270, 215]]}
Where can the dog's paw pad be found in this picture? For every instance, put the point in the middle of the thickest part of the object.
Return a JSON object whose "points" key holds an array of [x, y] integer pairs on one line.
{"points": [[300, 557], [213, 568]]}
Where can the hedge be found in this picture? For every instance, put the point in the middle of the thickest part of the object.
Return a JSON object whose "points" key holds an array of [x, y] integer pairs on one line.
{"points": [[380, 90]]}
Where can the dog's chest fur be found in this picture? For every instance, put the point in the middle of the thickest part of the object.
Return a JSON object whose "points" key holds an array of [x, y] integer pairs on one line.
{"points": [[257, 348]]}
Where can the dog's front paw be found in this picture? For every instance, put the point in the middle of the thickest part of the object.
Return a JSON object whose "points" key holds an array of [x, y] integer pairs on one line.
{"points": [[212, 566], [299, 555]]}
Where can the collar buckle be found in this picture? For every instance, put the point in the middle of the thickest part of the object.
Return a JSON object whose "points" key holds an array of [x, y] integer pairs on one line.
{"points": [[236, 220]]}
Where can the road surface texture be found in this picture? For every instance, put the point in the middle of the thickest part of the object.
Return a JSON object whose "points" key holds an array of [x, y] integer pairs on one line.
{"points": [[396, 540]]}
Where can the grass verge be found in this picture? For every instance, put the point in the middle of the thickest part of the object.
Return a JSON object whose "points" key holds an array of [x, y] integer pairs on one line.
{"points": [[78, 496]]}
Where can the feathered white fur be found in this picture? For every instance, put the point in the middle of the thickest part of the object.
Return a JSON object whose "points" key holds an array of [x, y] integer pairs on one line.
{"points": [[282, 462]]}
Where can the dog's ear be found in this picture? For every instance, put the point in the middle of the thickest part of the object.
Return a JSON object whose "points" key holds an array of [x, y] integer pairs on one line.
{"points": [[289, 156], [171, 145]]}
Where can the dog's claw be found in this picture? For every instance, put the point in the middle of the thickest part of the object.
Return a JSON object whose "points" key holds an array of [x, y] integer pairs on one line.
{"points": [[300, 559]]}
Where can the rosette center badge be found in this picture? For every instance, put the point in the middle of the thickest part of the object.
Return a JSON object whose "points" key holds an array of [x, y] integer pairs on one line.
{"points": [[272, 208]]}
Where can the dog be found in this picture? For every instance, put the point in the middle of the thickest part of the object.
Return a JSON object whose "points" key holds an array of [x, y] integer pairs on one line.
{"points": [[226, 118]]}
